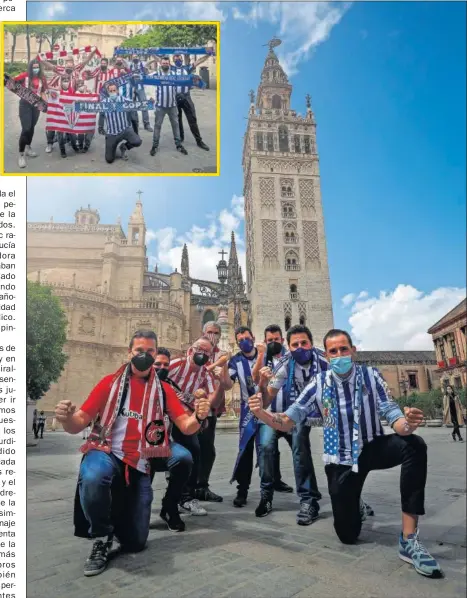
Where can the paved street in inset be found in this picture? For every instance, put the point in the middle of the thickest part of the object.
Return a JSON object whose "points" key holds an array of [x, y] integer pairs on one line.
{"points": [[231, 553], [167, 160]]}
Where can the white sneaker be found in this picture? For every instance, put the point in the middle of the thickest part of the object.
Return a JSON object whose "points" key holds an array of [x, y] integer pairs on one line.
{"points": [[48, 149], [22, 161], [193, 507], [30, 153]]}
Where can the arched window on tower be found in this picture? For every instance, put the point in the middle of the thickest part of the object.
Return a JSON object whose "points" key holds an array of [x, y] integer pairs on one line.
{"points": [[270, 142], [306, 139], [287, 323], [292, 262], [298, 149], [276, 102], [208, 316], [293, 292], [288, 211], [259, 141], [302, 320], [283, 139]]}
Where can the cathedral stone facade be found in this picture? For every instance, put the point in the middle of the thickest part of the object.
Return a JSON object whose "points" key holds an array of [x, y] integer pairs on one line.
{"points": [[287, 265], [107, 291]]}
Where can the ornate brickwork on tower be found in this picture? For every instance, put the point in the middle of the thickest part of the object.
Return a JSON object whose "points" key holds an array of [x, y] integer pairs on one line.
{"points": [[287, 265]]}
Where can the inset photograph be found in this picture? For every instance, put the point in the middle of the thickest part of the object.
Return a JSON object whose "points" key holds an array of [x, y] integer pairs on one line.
{"points": [[111, 98]]}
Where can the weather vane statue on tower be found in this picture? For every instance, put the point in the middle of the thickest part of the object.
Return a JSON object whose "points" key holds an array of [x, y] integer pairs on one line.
{"points": [[273, 43]]}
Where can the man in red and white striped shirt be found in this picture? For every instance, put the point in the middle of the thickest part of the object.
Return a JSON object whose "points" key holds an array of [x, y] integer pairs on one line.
{"points": [[70, 69], [102, 74], [191, 375]]}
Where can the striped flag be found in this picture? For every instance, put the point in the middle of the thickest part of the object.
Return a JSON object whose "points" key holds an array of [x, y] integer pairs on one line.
{"points": [[62, 53], [61, 114]]}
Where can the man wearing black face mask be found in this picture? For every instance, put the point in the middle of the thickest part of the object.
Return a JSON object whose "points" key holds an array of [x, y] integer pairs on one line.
{"points": [[194, 378], [269, 354], [133, 409], [103, 74], [138, 69], [184, 101]]}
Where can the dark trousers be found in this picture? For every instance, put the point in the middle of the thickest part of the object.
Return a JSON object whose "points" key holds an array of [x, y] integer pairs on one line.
{"points": [[84, 140], [110, 505], [185, 104], [28, 116], [40, 430], [206, 440], [140, 94], [62, 140], [135, 122], [129, 138], [385, 452], [191, 443], [34, 429], [179, 466], [101, 121], [456, 431], [50, 135]]}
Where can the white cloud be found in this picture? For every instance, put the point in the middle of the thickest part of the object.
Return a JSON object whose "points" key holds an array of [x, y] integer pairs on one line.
{"points": [[182, 11], [399, 319], [203, 243], [55, 9], [347, 299], [302, 26]]}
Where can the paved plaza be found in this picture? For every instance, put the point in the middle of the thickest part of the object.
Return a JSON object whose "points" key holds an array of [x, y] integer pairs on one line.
{"points": [[167, 160], [231, 553]]}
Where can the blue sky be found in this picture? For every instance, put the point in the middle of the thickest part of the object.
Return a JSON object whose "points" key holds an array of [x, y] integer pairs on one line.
{"points": [[387, 81]]}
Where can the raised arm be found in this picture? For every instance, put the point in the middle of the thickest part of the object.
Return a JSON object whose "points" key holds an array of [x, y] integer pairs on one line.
{"points": [[50, 66], [255, 374], [278, 421]]}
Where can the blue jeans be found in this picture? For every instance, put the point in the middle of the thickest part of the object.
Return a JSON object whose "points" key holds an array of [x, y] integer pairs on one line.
{"points": [[110, 505], [179, 465], [299, 442]]}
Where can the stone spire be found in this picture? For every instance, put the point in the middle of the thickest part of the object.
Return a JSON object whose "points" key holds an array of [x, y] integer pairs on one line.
{"points": [[137, 225], [274, 90], [233, 263], [185, 266]]}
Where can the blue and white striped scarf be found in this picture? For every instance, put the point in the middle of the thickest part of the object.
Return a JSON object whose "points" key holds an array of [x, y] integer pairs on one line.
{"points": [[331, 418]]}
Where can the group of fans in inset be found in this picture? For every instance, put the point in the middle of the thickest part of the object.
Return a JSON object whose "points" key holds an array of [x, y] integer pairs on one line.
{"points": [[119, 80]]}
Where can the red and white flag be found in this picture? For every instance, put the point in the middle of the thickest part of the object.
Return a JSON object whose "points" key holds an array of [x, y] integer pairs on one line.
{"points": [[61, 115], [62, 53]]}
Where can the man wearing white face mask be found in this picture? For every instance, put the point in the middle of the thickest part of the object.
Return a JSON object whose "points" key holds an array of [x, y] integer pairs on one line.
{"points": [[352, 399], [118, 129]]}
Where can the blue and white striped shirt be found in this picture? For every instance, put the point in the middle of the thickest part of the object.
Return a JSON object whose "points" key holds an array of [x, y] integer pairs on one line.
{"points": [[377, 404], [165, 94], [116, 122], [237, 373], [184, 71], [302, 376], [138, 70]]}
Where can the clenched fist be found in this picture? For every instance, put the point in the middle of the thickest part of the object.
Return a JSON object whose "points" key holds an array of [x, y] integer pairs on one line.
{"points": [[413, 416], [199, 394], [266, 374], [202, 407], [261, 347], [64, 411], [255, 403]]}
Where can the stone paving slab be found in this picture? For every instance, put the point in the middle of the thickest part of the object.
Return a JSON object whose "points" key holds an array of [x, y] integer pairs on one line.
{"points": [[231, 553], [167, 160]]}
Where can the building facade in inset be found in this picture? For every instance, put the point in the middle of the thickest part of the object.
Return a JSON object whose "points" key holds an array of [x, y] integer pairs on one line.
{"points": [[287, 265]]}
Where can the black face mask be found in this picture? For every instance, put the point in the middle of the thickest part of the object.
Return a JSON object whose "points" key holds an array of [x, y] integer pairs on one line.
{"points": [[142, 361], [103, 67], [135, 60], [165, 68], [163, 373], [273, 349], [200, 358], [119, 63], [68, 70]]}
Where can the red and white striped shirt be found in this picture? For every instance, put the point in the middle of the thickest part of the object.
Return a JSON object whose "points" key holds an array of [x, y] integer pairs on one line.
{"points": [[190, 379], [102, 77], [126, 432], [36, 84], [60, 71]]}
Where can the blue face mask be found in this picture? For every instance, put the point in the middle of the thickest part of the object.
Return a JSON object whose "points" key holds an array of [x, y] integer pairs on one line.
{"points": [[302, 355], [341, 365], [246, 345], [113, 95], [178, 62]]}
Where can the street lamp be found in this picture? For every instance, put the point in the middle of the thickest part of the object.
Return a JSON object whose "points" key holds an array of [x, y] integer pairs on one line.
{"points": [[222, 269], [199, 307]]}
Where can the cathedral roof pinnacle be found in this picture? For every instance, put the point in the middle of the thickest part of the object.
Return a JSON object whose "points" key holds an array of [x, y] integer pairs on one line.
{"points": [[185, 265], [137, 216]]}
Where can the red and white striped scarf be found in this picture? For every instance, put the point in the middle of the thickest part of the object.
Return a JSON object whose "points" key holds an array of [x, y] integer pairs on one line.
{"points": [[61, 53], [155, 433]]}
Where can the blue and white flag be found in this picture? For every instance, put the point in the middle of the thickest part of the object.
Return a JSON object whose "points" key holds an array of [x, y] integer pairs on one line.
{"points": [[111, 106], [161, 51], [178, 80]]}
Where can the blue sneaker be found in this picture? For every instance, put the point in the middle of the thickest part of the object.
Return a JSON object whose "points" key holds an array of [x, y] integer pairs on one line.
{"points": [[412, 551]]}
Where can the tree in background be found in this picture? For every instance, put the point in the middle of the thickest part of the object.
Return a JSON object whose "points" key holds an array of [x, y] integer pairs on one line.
{"points": [[46, 335], [50, 33], [15, 30], [173, 35]]}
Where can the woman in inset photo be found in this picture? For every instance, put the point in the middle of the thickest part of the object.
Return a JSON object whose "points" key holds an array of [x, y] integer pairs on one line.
{"points": [[452, 412]]}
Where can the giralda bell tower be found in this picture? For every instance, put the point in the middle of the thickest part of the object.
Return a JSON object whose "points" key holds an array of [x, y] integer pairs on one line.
{"points": [[286, 257]]}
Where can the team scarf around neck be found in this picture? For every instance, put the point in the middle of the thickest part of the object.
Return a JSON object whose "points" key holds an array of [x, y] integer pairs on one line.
{"points": [[248, 422], [331, 418], [154, 426], [25, 93], [108, 105]]}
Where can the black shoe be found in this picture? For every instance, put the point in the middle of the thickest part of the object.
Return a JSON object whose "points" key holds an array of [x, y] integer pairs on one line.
{"points": [[85, 150], [264, 508], [63, 153], [307, 514], [240, 500], [202, 145], [101, 131], [153, 150], [173, 520], [282, 487], [182, 150], [148, 128], [182, 139], [204, 494], [98, 559]]}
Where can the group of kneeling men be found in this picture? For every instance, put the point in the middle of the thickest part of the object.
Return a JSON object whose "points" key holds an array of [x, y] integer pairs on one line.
{"points": [[159, 414]]}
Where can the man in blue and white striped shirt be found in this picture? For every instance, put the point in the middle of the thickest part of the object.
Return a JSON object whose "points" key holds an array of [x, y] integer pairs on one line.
{"points": [[138, 68], [184, 101], [291, 375], [354, 447], [166, 103], [119, 129]]}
